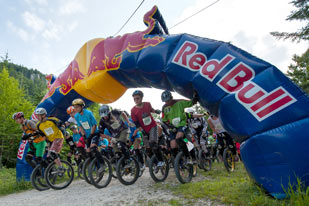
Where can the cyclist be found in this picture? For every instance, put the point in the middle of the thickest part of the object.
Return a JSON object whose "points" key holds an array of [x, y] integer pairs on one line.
{"points": [[89, 131], [141, 116], [50, 128], [174, 116], [114, 121], [36, 142], [70, 111], [198, 127], [221, 134], [76, 134]]}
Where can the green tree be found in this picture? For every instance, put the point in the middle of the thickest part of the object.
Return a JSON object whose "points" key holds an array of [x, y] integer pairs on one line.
{"points": [[299, 72], [12, 99], [300, 14]]}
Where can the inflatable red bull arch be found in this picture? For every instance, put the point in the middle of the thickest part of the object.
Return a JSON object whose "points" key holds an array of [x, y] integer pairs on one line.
{"points": [[256, 102]]}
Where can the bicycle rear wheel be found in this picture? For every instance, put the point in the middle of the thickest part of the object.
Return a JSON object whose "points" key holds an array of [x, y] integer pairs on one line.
{"points": [[59, 177], [103, 178], [158, 174], [229, 160], [183, 170], [127, 170], [204, 161], [37, 178]]}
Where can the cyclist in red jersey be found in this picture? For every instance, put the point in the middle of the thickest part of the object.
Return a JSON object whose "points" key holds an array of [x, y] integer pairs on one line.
{"points": [[141, 116]]}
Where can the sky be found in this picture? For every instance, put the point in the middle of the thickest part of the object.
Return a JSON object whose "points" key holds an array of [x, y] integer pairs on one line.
{"points": [[46, 35]]}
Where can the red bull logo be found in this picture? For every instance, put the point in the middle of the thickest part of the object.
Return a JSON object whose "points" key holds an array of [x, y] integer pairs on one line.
{"points": [[107, 55], [66, 80]]}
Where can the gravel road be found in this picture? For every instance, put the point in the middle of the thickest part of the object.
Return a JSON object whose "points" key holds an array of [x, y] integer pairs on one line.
{"points": [[143, 192]]}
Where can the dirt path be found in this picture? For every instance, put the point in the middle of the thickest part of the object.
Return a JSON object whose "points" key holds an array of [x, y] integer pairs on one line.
{"points": [[143, 192]]}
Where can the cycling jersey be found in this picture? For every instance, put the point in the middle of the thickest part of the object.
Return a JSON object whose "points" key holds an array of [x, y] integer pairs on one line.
{"points": [[29, 127], [71, 143], [72, 120], [76, 137], [50, 129], [142, 116], [86, 121], [132, 130], [197, 124], [113, 123], [174, 112]]}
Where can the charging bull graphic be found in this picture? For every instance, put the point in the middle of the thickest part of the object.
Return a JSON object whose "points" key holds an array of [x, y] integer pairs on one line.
{"points": [[256, 103]]}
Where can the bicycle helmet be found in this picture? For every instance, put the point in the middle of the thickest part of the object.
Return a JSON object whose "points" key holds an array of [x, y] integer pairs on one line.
{"points": [[78, 101], [40, 111], [190, 110], [166, 96], [73, 127], [104, 110], [70, 109], [138, 92], [67, 134], [18, 115]]}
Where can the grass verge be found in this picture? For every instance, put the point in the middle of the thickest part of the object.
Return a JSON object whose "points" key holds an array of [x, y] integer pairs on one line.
{"points": [[232, 189], [8, 184]]}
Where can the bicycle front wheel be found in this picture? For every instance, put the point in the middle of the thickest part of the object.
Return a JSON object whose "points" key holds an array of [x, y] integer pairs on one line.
{"points": [[158, 173], [127, 170], [229, 160], [59, 177], [183, 170], [100, 177], [204, 161], [37, 178]]}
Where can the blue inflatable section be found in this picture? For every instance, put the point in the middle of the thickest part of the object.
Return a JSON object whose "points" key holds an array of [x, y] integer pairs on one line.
{"points": [[23, 169]]}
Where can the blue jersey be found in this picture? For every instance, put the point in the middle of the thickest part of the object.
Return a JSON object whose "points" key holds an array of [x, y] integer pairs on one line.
{"points": [[86, 121], [76, 137], [107, 133]]}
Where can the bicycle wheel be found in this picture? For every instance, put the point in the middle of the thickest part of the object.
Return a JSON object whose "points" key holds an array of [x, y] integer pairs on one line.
{"points": [[80, 170], [85, 170], [204, 161], [158, 174], [37, 178], [59, 177], [113, 162], [127, 170], [103, 178], [229, 160], [183, 171]]}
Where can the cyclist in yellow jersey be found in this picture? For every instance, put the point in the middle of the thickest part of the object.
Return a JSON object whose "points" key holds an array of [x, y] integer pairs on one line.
{"points": [[49, 126]]}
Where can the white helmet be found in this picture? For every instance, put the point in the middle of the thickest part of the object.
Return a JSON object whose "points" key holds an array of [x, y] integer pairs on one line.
{"points": [[190, 110], [40, 111]]}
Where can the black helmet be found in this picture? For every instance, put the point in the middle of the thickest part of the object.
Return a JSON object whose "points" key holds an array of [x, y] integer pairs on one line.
{"points": [[166, 96], [139, 93], [104, 110]]}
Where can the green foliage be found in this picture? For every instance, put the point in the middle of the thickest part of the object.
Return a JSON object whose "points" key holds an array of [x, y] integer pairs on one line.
{"points": [[299, 72], [94, 108], [12, 99], [31, 81], [300, 14]]}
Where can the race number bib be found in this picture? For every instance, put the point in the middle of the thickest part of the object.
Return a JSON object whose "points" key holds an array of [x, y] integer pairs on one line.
{"points": [[190, 146], [49, 131], [115, 125], [147, 120], [176, 121], [71, 143], [85, 125]]}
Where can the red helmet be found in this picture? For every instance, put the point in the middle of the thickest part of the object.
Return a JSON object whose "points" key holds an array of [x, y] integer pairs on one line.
{"points": [[17, 115], [70, 109]]}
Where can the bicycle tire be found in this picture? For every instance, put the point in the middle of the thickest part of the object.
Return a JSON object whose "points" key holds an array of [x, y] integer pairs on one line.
{"points": [[97, 180], [204, 161], [229, 160], [51, 174], [153, 169], [122, 163], [180, 165], [37, 179], [85, 170]]}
